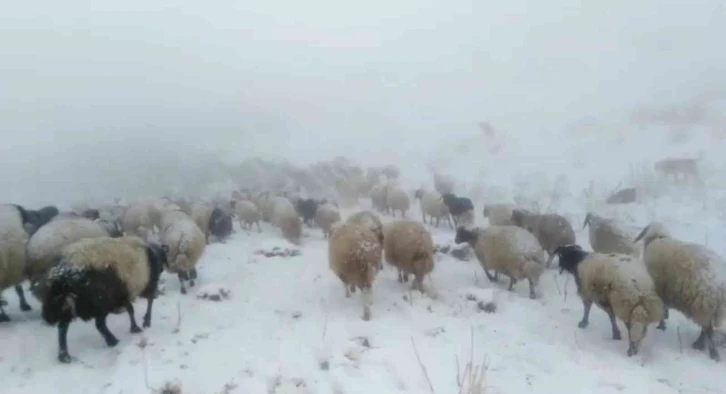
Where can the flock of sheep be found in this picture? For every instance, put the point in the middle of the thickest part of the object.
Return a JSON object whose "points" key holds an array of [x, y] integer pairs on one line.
{"points": [[96, 261]]}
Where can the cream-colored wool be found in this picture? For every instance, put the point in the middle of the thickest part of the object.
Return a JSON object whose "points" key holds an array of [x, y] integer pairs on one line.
{"points": [[433, 206], [326, 215], [688, 277], [12, 247], [141, 217], [513, 251], [369, 220], [247, 214], [354, 254], [48, 242], [607, 237], [550, 229], [397, 200], [265, 204], [201, 213], [125, 255], [499, 214], [285, 217], [185, 240], [408, 246], [621, 282]]}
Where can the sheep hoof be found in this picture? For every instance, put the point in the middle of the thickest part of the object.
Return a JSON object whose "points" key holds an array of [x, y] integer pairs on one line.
{"points": [[191, 283], [698, 345], [630, 352], [111, 341], [532, 296], [64, 357], [183, 290], [661, 326], [714, 355], [135, 329], [147, 322], [616, 336], [4, 318], [25, 307], [582, 324]]}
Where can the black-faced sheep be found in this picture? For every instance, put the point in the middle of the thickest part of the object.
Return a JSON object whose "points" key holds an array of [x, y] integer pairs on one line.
{"points": [[13, 238], [306, 208], [507, 249], [688, 277], [98, 276], [408, 246], [617, 283], [607, 237], [185, 244], [220, 224], [433, 206], [550, 229], [459, 207], [354, 254], [35, 219]]}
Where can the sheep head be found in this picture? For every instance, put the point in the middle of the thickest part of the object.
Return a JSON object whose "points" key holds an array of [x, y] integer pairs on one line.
{"points": [[465, 235], [654, 230], [570, 257], [449, 199]]}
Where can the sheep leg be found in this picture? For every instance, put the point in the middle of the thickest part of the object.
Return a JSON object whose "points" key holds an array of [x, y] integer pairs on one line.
{"points": [[23, 302], [532, 295], [4, 318], [259, 229], [614, 325], [132, 317], [712, 352], [417, 284], [147, 315], [193, 274], [352, 289], [490, 277], [400, 276], [633, 347], [63, 355], [699, 344], [662, 324], [586, 314], [367, 302], [512, 282], [449, 220], [181, 283], [111, 340]]}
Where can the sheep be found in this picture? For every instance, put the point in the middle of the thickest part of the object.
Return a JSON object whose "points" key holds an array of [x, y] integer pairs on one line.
{"points": [[13, 238], [619, 284], [397, 200], [459, 207], [220, 224], [46, 245], [185, 244], [247, 214], [354, 255], [378, 197], [98, 276], [265, 204], [432, 205], [624, 196], [390, 171], [306, 208], [550, 229], [674, 167], [35, 219], [443, 184], [325, 216], [606, 237], [371, 221], [499, 214], [285, 217], [688, 277], [507, 249], [141, 218], [408, 246]]}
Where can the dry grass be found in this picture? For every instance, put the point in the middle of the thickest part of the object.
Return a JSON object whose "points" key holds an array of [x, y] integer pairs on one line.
{"points": [[473, 379]]}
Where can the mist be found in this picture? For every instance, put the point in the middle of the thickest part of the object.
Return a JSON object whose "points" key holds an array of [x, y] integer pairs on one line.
{"points": [[105, 100]]}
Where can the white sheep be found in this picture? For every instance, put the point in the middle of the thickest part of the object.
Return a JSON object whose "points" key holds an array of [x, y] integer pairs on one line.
{"points": [[550, 229], [354, 254], [142, 217], [372, 222], [617, 283], [432, 205], [688, 277], [511, 250], [607, 237], [325, 216], [185, 243], [46, 245], [285, 217], [408, 246], [13, 238], [247, 214], [397, 200], [499, 214]]}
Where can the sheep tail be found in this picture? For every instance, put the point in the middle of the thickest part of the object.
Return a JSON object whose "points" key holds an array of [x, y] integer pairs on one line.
{"points": [[59, 303]]}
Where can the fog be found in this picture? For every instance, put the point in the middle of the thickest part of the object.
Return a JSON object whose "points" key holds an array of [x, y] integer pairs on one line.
{"points": [[92, 93]]}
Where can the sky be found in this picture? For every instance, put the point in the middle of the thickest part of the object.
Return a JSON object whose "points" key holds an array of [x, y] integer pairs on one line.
{"points": [[374, 80]]}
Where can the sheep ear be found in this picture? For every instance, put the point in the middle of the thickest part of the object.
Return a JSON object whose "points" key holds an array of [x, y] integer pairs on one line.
{"points": [[642, 233]]}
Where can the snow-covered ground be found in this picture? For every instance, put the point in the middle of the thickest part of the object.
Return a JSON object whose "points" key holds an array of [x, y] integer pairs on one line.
{"points": [[286, 326]]}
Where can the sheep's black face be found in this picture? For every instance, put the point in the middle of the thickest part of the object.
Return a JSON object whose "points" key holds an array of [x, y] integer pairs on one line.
{"points": [[570, 256], [91, 214], [448, 198], [464, 235], [221, 226], [517, 217]]}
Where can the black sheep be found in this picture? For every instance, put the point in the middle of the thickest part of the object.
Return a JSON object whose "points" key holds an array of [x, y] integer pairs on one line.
{"points": [[220, 223], [457, 205], [307, 208], [98, 276], [35, 219]]}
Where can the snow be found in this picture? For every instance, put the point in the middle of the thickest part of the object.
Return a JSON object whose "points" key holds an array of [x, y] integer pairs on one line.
{"points": [[286, 327]]}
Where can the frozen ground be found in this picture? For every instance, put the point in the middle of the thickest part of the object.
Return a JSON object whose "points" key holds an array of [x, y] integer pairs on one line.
{"points": [[287, 328]]}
